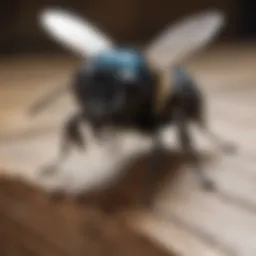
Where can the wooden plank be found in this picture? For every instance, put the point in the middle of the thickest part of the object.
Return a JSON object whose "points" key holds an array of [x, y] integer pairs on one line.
{"points": [[23, 241], [34, 212], [85, 228], [171, 235], [226, 224]]}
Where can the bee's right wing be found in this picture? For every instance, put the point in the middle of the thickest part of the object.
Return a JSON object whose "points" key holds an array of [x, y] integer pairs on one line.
{"points": [[74, 33], [184, 38]]}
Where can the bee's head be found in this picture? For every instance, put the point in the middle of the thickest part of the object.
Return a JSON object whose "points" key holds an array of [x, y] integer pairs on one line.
{"points": [[115, 81]]}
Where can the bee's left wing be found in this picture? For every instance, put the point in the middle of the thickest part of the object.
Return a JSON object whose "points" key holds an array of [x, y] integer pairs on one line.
{"points": [[184, 38], [75, 33]]}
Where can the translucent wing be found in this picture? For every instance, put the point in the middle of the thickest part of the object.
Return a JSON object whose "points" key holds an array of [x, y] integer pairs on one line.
{"points": [[75, 33], [184, 38]]}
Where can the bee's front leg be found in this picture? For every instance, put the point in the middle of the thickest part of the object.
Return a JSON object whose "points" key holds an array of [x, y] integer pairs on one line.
{"points": [[155, 164], [71, 135]]}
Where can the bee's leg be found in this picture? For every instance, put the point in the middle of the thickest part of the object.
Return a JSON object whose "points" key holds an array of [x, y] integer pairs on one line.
{"points": [[188, 147], [155, 164], [71, 136], [224, 146]]}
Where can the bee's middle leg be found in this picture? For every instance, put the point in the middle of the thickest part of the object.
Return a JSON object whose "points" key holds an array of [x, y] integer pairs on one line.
{"points": [[71, 136]]}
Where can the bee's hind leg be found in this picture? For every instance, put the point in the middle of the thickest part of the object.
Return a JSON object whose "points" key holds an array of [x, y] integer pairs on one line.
{"points": [[188, 147], [225, 146], [71, 135]]}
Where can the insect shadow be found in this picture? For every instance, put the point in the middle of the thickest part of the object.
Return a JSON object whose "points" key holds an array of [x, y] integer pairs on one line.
{"points": [[130, 190]]}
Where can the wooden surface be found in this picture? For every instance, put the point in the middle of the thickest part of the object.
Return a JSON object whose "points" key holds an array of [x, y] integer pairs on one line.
{"points": [[33, 225], [184, 219]]}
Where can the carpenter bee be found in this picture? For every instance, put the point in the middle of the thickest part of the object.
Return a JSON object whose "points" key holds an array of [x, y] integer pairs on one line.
{"points": [[126, 87]]}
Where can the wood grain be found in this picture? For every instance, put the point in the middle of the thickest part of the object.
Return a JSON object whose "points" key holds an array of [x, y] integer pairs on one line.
{"points": [[184, 219]]}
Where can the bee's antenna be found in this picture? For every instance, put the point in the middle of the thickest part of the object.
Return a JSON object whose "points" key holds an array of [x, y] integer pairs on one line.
{"points": [[42, 103]]}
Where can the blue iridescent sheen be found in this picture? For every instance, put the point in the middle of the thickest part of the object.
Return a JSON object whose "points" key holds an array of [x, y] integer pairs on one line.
{"points": [[122, 59]]}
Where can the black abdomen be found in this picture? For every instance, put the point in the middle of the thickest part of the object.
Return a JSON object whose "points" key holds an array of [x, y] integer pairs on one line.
{"points": [[187, 94]]}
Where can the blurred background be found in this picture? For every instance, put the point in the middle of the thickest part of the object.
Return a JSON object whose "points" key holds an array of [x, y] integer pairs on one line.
{"points": [[128, 21]]}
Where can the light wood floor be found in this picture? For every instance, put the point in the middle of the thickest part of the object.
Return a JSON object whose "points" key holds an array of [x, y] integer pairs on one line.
{"points": [[185, 219]]}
